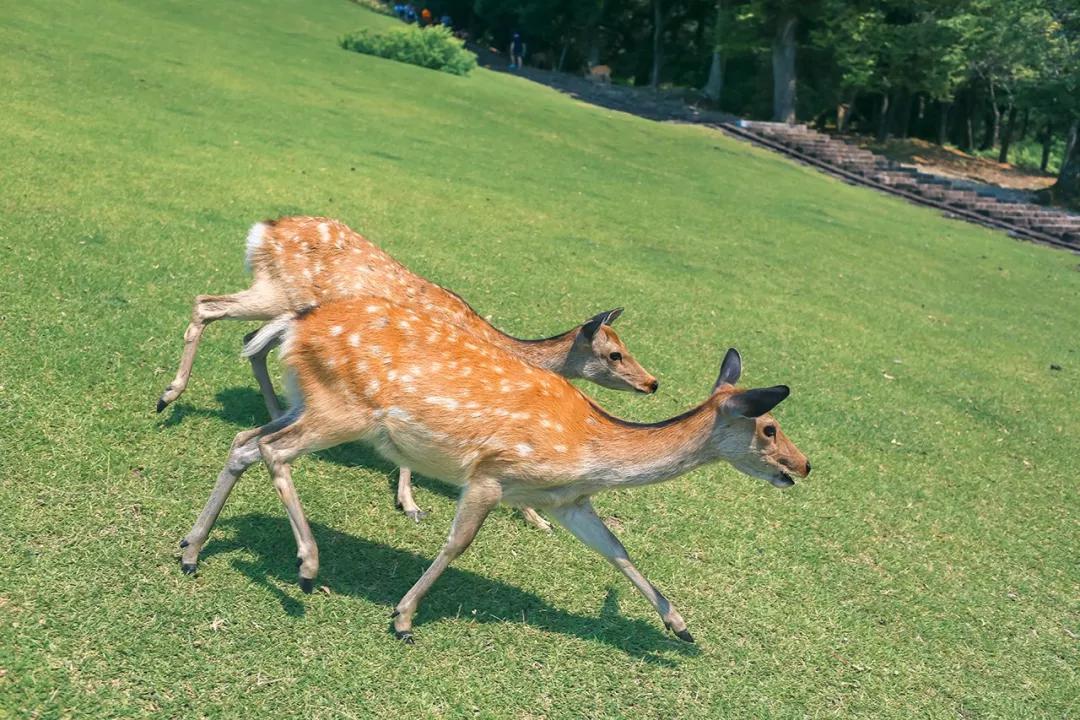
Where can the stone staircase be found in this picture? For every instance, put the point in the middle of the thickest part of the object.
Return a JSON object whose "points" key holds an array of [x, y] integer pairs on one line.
{"points": [[987, 205]]}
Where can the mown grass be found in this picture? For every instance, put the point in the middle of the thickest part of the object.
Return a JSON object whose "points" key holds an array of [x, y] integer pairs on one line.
{"points": [[927, 569]]}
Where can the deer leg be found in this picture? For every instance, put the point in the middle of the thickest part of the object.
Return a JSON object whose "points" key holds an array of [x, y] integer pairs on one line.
{"points": [[533, 518], [262, 376], [243, 453], [252, 304], [583, 522], [278, 450], [476, 501], [405, 499]]}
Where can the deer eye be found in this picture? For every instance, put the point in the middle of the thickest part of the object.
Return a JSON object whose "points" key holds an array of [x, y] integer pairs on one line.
{"points": [[615, 356], [769, 430]]}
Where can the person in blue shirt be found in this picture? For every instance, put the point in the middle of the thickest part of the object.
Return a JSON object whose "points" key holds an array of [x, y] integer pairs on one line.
{"points": [[517, 52]]}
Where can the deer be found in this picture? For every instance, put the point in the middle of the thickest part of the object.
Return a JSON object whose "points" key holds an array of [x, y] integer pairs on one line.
{"points": [[299, 262], [600, 74], [427, 394]]}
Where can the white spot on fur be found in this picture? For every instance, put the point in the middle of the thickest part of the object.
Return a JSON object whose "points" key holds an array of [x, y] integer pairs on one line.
{"points": [[354, 339], [559, 448], [324, 232], [523, 449], [448, 403], [336, 330], [374, 308], [398, 413], [372, 387]]}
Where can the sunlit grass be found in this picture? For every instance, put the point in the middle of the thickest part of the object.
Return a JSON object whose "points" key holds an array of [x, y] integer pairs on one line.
{"points": [[927, 569]]}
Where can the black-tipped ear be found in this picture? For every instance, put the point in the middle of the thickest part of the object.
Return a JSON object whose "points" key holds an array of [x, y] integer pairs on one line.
{"points": [[730, 369], [756, 402], [593, 324], [612, 315]]}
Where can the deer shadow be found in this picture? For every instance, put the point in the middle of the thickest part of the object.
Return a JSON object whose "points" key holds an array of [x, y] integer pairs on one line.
{"points": [[244, 407], [382, 574]]}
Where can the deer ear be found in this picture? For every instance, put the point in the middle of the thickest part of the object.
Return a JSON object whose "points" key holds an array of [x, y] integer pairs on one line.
{"points": [[612, 315], [730, 369], [756, 402], [593, 324]]}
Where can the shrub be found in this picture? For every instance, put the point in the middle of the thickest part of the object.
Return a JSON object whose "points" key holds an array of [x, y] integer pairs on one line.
{"points": [[433, 47]]}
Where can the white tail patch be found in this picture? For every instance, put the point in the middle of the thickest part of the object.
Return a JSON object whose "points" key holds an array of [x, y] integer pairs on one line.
{"points": [[255, 238], [265, 335]]}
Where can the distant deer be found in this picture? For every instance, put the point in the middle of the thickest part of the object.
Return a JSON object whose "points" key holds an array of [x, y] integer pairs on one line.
{"points": [[426, 394], [298, 262], [599, 74]]}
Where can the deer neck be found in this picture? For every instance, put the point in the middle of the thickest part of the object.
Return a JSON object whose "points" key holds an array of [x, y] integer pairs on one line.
{"points": [[553, 353], [626, 454]]}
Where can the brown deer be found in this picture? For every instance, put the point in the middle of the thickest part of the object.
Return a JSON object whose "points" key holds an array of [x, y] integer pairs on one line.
{"points": [[299, 262], [429, 395], [600, 74]]}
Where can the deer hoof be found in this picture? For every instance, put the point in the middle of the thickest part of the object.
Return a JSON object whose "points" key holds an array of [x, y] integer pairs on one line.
{"points": [[184, 543], [404, 636], [161, 404], [685, 635], [307, 585], [416, 515], [188, 568]]}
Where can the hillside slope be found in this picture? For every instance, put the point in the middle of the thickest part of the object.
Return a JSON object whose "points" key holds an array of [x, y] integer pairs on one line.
{"points": [[927, 568]]}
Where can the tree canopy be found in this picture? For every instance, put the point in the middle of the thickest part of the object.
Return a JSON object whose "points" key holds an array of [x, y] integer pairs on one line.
{"points": [[977, 73]]}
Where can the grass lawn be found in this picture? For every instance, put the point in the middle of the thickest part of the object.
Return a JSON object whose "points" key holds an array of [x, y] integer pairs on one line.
{"points": [[928, 567]]}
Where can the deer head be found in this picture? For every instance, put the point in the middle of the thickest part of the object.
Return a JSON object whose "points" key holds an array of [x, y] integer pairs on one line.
{"points": [[599, 355], [746, 435]]}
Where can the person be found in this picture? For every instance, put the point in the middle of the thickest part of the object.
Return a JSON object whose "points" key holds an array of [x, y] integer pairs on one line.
{"points": [[425, 17], [446, 22], [410, 13], [517, 52]]}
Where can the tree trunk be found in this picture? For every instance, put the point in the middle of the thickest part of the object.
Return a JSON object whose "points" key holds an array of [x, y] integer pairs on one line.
{"points": [[657, 45], [993, 122], [943, 121], [1067, 187], [714, 88], [1024, 125], [1047, 139], [783, 65], [965, 138], [562, 55], [1006, 139], [885, 119], [904, 114]]}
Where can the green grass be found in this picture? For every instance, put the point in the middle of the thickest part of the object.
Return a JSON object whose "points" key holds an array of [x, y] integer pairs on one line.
{"points": [[928, 568]]}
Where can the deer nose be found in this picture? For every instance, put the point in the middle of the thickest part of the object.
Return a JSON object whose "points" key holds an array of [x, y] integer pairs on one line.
{"points": [[807, 467], [654, 386]]}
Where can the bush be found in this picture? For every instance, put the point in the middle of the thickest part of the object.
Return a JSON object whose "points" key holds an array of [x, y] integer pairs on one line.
{"points": [[433, 47]]}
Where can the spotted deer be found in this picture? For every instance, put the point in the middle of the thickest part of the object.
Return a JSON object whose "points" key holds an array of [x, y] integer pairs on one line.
{"points": [[300, 262], [429, 395]]}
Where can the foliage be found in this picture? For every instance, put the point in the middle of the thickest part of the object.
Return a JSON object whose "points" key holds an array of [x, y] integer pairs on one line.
{"points": [[433, 47]]}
